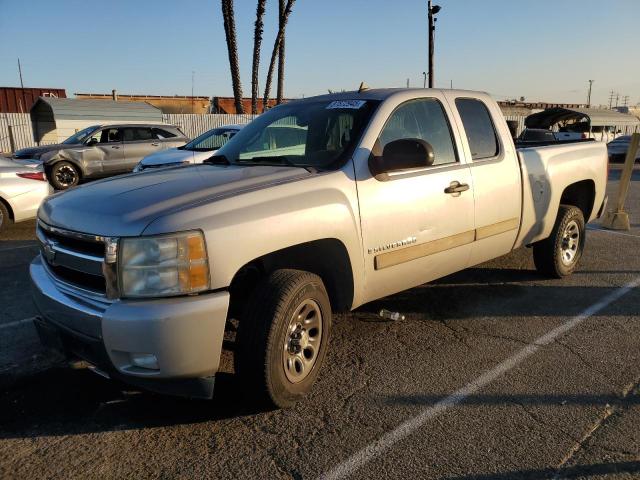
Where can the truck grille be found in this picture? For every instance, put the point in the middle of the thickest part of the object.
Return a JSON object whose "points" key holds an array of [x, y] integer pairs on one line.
{"points": [[73, 258]]}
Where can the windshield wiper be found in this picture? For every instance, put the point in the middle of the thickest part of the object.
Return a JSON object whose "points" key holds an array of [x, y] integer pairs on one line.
{"points": [[217, 160], [273, 162]]}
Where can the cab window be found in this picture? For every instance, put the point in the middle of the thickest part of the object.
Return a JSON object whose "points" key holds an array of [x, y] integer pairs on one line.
{"points": [[106, 135], [424, 119], [478, 127]]}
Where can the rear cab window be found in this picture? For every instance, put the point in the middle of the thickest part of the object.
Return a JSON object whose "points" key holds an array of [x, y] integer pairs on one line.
{"points": [[479, 128]]}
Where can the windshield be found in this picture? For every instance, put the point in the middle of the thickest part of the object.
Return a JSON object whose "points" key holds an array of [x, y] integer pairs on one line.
{"points": [[307, 134], [211, 140], [80, 136]]}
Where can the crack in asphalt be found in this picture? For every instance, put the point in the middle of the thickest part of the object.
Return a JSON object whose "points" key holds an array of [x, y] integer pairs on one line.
{"points": [[608, 412], [605, 380]]}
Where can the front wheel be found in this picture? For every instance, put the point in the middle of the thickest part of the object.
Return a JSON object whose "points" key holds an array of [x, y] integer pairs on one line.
{"points": [[283, 337], [64, 175], [558, 255]]}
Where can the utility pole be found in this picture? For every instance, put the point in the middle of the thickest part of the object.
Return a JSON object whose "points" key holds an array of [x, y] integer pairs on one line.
{"points": [[424, 84], [625, 101], [611, 95], [193, 76], [589, 95], [432, 10], [24, 101], [617, 98]]}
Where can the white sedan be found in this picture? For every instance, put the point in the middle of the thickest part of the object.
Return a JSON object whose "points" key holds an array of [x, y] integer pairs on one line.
{"points": [[22, 190], [196, 151]]}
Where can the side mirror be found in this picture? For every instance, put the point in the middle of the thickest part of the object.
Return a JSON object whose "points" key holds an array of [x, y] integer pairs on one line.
{"points": [[403, 154], [92, 141]]}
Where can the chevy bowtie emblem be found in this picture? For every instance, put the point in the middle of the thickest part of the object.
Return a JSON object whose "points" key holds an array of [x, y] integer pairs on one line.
{"points": [[49, 251]]}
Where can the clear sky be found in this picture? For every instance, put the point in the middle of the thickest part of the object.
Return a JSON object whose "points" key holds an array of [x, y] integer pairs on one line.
{"points": [[542, 49]]}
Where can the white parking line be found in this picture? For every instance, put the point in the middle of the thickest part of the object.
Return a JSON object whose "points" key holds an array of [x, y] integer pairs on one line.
{"points": [[16, 323], [18, 248], [406, 428]]}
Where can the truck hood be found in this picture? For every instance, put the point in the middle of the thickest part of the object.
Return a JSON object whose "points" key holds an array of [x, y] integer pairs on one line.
{"points": [[175, 155], [36, 152], [126, 205]]}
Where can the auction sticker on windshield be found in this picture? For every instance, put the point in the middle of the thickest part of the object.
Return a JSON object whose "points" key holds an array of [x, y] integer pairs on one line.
{"points": [[355, 104]]}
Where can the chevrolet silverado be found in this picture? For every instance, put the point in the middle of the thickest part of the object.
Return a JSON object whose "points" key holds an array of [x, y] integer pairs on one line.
{"points": [[382, 191]]}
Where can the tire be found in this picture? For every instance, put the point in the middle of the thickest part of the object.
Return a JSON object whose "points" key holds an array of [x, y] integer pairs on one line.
{"points": [[559, 255], [64, 175], [277, 361], [5, 217]]}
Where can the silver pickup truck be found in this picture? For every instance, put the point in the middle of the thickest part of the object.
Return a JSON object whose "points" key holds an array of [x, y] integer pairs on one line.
{"points": [[384, 190]]}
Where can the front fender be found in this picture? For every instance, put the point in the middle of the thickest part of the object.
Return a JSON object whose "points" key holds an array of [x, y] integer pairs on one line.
{"points": [[248, 226], [75, 157]]}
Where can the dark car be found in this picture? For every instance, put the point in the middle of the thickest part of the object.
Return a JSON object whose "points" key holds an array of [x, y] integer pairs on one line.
{"points": [[617, 149], [102, 151]]}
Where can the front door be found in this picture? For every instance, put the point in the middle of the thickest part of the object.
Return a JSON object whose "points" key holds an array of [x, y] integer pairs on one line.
{"points": [[109, 151], [415, 226]]}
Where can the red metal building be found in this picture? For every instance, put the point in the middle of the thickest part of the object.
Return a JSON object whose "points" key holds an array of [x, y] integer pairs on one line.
{"points": [[20, 100]]}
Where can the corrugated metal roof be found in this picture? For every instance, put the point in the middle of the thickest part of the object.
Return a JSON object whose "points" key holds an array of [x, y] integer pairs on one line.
{"points": [[20, 100], [72, 108]]}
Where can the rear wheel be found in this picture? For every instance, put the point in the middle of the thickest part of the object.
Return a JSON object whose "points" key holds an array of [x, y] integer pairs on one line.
{"points": [[64, 175], [5, 218], [558, 255], [283, 337]]}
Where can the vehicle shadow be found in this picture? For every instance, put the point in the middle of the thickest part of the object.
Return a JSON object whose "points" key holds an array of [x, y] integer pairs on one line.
{"points": [[501, 293], [64, 401], [577, 471]]}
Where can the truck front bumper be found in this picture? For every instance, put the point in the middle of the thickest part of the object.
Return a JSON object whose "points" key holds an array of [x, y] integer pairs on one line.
{"points": [[177, 340]]}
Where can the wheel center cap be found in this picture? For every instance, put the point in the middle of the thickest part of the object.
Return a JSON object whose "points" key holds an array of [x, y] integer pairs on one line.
{"points": [[298, 340]]}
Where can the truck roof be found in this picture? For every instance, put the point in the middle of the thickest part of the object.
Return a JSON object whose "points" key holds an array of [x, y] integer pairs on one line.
{"points": [[383, 94]]}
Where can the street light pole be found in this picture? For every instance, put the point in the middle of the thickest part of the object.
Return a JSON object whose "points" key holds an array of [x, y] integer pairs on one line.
{"points": [[589, 95], [431, 11], [424, 84]]}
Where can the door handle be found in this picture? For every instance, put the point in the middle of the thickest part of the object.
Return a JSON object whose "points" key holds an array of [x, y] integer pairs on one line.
{"points": [[155, 144], [115, 146], [456, 188]]}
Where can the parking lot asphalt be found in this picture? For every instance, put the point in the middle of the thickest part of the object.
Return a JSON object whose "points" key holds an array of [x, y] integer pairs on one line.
{"points": [[496, 372]]}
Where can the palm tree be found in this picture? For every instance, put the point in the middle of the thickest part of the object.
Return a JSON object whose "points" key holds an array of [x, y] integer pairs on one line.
{"points": [[280, 91], [284, 17], [257, 41], [232, 49]]}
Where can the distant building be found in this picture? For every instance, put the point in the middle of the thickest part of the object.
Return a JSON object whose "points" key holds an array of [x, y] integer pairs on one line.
{"points": [[228, 104], [166, 103], [20, 100]]}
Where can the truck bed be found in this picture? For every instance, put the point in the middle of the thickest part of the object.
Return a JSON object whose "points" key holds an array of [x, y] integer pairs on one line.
{"points": [[547, 170]]}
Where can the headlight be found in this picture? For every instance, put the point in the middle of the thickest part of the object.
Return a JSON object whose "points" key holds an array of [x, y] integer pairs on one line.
{"points": [[165, 265]]}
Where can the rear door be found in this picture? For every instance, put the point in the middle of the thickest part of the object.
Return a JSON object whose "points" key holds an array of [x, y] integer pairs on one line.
{"points": [[414, 230], [138, 143], [496, 175]]}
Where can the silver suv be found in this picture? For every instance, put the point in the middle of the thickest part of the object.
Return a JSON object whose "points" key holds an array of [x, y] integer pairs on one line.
{"points": [[102, 151]]}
